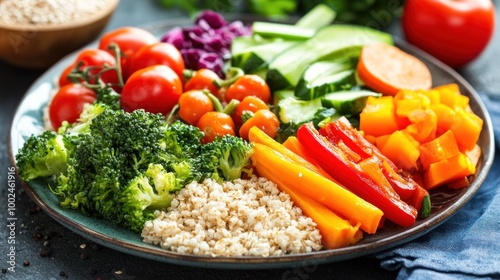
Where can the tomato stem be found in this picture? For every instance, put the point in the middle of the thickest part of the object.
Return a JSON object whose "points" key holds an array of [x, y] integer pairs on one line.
{"points": [[233, 74], [216, 102], [229, 109]]}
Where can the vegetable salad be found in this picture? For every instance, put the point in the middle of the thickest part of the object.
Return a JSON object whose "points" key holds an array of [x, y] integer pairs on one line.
{"points": [[346, 124]]}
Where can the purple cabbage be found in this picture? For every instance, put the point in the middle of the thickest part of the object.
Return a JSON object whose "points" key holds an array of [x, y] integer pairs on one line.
{"points": [[206, 44]]}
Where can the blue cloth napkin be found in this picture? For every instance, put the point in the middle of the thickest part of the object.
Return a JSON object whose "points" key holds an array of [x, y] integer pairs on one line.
{"points": [[467, 246]]}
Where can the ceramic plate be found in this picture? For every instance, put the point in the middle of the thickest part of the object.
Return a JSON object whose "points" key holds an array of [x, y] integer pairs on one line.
{"points": [[28, 121]]}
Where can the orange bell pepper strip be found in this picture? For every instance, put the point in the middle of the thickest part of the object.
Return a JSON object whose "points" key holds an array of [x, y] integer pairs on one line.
{"points": [[335, 231], [309, 183]]}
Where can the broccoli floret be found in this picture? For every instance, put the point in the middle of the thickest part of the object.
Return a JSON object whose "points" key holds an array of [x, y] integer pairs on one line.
{"points": [[44, 155], [182, 139], [144, 194], [127, 165], [82, 125], [227, 157], [107, 96]]}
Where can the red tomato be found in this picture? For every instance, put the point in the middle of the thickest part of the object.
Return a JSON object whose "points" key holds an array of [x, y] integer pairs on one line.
{"points": [[156, 89], [96, 59], [129, 40], [454, 31], [63, 79], [67, 104], [158, 53]]}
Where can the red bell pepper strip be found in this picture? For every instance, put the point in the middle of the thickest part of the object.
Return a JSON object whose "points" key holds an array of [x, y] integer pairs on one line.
{"points": [[350, 174], [342, 131]]}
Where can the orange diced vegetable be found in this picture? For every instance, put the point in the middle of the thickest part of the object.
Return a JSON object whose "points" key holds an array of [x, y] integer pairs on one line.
{"points": [[376, 112], [447, 170], [401, 149], [445, 117], [450, 96], [441, 148], [423, 125], [467, 128]]}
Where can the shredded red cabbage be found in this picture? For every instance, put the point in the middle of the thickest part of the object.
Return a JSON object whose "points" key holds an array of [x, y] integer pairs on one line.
{"points": [[206, 44]]}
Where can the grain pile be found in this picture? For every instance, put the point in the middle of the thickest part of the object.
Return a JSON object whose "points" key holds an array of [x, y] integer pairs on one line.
{"points": [[47, 11], [240, 218]]}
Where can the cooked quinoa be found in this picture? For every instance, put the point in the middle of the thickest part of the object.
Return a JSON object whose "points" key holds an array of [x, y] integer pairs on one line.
{"points": [[239, 218]]}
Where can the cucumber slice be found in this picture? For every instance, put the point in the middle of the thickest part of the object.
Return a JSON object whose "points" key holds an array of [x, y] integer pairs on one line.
{"points": [[348, 102], [282, 30], [323, 77], [319, 16]]}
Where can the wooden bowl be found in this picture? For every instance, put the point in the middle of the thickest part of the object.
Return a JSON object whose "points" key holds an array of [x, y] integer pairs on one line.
{"points": [[40, 46]]}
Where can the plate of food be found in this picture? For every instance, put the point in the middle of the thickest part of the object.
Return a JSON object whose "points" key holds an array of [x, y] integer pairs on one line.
{"points": [[166, 192]]}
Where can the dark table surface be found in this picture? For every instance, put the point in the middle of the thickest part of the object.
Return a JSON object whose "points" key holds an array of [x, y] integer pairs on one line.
{"points": [[47, 250]]}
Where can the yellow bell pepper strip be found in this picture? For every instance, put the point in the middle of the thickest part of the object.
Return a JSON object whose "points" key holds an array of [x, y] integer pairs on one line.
{"points": [[256, 135], [341, 132], [306, 182], [348, 173], [335, 231]]}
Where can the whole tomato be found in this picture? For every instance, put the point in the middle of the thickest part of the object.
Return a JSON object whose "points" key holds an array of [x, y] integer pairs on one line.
{"points": [[454, 31], [193, 104], [215, 124], [129, 40], [158, 53], [156, 89], [203, 79], [67, 104], [248, 84], [95, 60]]}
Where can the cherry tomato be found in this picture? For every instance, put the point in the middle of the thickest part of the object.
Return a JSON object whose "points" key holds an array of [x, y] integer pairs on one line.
{"points": [[203, 79], [248, 84], [96, 60], [215, 124], [156, 89], [129, 40], [264, 119], [158, 53], [67, 104], [456, 32], [193, 104], [249, 104], [63, 79]]}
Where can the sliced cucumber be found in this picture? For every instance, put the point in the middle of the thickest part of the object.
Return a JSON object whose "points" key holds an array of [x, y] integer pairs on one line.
{"points": [[330, 42], [252, 53], [323, 77], [282, 30], [348, 102], [293, 110], [319, 16]]}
